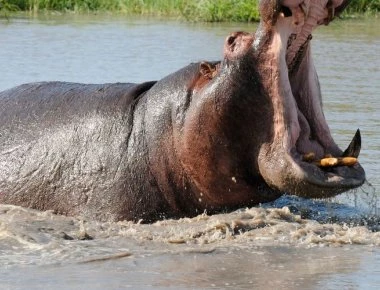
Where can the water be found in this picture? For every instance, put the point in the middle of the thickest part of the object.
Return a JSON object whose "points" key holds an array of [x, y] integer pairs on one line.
{"points": [[292, 243]]}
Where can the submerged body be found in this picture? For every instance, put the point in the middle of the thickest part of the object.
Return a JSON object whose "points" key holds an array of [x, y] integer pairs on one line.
{"points": [[113, 151], [208, 137]]}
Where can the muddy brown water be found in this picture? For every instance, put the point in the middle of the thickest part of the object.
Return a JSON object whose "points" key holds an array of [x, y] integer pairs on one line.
{"points": [[292, 243]]}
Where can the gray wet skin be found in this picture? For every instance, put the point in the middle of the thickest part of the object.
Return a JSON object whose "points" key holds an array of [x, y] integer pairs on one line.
{"points": [[211, 136]]}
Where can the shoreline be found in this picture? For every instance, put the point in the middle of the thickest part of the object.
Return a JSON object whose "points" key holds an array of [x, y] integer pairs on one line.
{"points": [[241, 11], [9, 15]]}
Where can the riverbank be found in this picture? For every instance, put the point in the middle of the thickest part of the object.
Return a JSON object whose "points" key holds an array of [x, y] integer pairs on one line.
{"points": [[190, 10]]}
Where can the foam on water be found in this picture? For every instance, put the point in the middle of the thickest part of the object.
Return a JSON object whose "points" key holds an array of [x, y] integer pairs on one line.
{"points": [[32, 237]]}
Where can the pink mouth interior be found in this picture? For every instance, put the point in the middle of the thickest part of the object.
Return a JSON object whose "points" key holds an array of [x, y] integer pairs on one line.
{"points": [[299, 123]]}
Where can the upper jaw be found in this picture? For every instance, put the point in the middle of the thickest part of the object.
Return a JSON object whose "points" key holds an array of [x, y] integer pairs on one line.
{"points": [[305, 16]]}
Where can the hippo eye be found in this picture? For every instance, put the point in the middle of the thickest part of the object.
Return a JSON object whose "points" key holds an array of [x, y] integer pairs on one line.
{"points": [[287, 12]]}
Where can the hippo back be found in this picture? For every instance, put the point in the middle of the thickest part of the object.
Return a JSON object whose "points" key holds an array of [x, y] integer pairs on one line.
{"points": [[63, 146]]}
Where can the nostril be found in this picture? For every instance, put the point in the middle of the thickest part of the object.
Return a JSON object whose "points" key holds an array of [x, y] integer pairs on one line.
{"points": [[231, 40], [287, 12]]}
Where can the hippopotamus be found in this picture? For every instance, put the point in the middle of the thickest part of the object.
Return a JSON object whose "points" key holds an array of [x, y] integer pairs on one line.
{"points": [[213, 136]]}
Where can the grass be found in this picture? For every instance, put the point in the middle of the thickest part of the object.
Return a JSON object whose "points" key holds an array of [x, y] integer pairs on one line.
{"points": [[191, 10], [364, 6]]}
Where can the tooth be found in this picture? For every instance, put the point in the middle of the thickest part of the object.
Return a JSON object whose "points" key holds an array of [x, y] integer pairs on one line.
{"points": [[309, 157], [348, 161], [353, 150], [331, 12], [328, 162], [332, 161], [305, 7]]}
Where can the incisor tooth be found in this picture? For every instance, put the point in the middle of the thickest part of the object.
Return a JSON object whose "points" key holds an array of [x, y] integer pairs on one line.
{"points": [[328, 162], [332, 161], [309, 157], [348, 161]]}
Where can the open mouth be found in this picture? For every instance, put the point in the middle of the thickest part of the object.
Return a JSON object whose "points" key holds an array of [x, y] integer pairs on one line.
{"points": [[303, 158]]}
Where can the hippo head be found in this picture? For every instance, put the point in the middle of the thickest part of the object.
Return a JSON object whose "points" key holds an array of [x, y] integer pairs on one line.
{"points": [[259, 121]]}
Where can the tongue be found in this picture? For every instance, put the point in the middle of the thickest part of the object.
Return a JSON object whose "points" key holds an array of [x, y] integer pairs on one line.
{"points": [[305, 144]]}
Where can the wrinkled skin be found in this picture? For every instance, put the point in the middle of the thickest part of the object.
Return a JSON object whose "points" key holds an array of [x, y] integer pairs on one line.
{"points": [[211, 136]]}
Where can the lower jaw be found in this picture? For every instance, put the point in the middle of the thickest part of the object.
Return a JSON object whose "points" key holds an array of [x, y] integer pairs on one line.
{"points": [[327, 182], [288, 173]]}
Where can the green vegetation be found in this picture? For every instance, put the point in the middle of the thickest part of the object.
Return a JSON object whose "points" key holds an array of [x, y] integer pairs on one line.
{"points": [[191, 10], [220, 10], [364, 6]]}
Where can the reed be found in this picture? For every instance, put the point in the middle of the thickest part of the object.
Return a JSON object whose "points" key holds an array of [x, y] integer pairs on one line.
{"points": [[364, 6], [191, 10]]}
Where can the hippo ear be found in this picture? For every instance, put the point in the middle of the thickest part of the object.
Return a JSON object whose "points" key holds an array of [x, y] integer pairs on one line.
{"points": [[207, 69]]}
